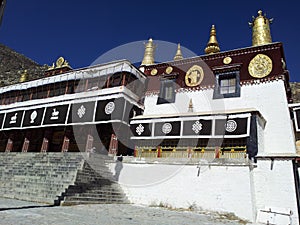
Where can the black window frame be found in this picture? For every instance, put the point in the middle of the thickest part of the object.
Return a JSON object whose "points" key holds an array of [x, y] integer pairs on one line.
{"points": [[227, 75]]}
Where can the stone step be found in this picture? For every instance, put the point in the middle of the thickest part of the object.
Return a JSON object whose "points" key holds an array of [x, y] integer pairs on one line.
{"points": [[43, 177], [81, 202], [36, 176], [44, 180], [91, 200], [94, 183], [94, 192]]}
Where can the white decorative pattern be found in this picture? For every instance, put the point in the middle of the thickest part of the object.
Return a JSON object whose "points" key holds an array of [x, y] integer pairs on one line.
{"points": [[139, 129], [54, 114], [197, 126], [33, 116], [109, 108], [81, 111], [166, 128], [13, 119], [231, 126]]}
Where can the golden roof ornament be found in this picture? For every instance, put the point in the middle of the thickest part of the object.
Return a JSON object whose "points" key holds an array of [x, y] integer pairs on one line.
{"points": [[261, 33], [212, 45], [191, 106], [60, 63], [51, 67], [178, 55], [24, 76], [149, 53]]}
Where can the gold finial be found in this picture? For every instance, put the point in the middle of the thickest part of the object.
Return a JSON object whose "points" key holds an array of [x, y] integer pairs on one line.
{"points": [[60, 63], [178, 55], [51, 67], [149, 53], [261, 33], [212, 45], [23, 76], [191, 107]]}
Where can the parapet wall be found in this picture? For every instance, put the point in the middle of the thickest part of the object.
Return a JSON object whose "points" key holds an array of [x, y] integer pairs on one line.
{"points": [[211, 187], [240, 187]]}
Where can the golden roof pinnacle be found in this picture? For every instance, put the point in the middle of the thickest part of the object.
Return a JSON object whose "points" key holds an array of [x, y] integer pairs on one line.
{"points": [[60, 63], [261, 33], [212, 45], [149, 53], [24, 76], [178, 55], [191, 107]]}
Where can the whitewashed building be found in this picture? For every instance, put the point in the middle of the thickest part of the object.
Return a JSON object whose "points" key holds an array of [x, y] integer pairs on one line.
{"points": [[215, 132], [229, 112]]}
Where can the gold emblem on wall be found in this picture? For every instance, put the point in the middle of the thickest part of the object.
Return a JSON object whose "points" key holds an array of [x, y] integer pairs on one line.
{"points": [[194, 76], [154, 72], [227, 60], [260, 66], [169, 69]]}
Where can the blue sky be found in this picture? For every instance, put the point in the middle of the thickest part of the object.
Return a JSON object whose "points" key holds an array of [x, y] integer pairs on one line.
{"points": [[81, 31]]}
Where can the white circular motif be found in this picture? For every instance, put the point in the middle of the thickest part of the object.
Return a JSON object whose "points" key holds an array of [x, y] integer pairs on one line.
{"points": [[197, 126], [231, 126], [139, 129], [109, 108], [166, 128]]}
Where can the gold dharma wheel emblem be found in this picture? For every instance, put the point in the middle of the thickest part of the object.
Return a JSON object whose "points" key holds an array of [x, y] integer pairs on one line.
{"points": [[260, 66], [60, 61], [153, 72], [227, 60], [194, 76]]}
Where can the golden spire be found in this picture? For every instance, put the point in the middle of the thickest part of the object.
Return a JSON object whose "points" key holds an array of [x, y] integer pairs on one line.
{"points": [[149, 53], [191, 107], [261, 33], [178, 55], [23, 76], [212, 45]]}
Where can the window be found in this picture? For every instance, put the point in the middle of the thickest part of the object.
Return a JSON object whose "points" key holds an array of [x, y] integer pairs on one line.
{"points": [[26, 95], [80, 86], [92, 84], [63, 88], [102, 81], [42, 92], [116, 80], [227, 85], [167, 92], [71, 87], [52, 90]]}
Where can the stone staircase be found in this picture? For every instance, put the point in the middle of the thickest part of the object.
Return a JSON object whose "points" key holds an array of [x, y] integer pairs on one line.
{"points": [[94, 184], [38, 177], [59, 178]]}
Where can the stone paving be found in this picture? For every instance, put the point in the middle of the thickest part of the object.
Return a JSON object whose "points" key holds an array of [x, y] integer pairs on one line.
{"points": [[12, 213]]}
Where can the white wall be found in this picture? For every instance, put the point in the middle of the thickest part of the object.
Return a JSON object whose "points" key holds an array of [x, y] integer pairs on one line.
{"points": [[238, 189], [217, 188], [268, 98], [275, 188]]}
